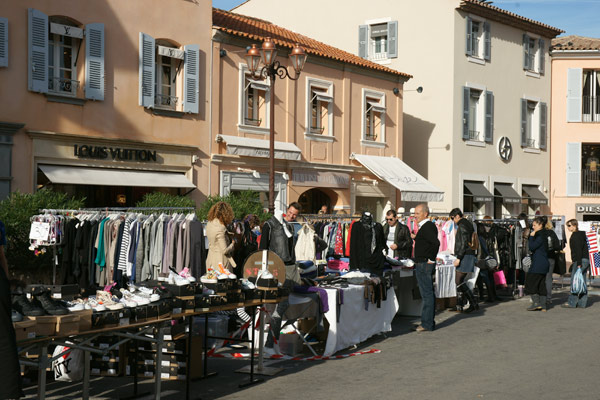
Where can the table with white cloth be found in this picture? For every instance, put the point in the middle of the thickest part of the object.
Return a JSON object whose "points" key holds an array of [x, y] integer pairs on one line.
{"points": [[357, 320]]}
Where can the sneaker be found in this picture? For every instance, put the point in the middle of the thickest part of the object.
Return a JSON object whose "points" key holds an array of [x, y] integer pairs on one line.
{"points": [[96, 305], [209, 277], [107, 301], [176, 279], [186, 274], [225, 271], [16, 316], [26, 307], [74, 306], [50, 306], [127, 303], [131, 297]]}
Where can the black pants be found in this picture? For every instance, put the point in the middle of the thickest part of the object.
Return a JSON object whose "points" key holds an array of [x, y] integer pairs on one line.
{"points": [[535, 284], [10, 388]]}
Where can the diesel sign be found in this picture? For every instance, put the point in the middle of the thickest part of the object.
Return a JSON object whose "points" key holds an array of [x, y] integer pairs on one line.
{"points": [[587, 208]]}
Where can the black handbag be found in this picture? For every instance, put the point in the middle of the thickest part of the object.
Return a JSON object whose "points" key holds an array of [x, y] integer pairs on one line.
{"points": [[560, 265]]}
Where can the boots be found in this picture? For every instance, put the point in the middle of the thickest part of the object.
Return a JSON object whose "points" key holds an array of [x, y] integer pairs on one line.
{"points": [[543, 303], [473, 304], [535, 306]]}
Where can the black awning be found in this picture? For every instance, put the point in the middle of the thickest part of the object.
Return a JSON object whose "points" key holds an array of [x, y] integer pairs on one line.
{"points": [[478, 191], [507, 193], [535, 195]]}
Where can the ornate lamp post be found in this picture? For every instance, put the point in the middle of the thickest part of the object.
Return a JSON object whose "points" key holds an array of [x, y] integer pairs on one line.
{"points": [[273, 69]]}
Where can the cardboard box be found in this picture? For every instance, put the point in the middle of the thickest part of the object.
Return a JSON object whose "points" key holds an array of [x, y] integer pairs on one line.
{"points": [[290, 344], [85, 320], [67, 324], [45, 325], [25, 329]]}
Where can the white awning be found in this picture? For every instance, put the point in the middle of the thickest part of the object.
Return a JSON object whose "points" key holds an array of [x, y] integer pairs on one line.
{"points": [[397, 173], [63, 174], [243, 146]]}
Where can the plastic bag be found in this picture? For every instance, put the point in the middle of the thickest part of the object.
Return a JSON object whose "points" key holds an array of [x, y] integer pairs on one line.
{"points": [[578, 285], [69, 366]]}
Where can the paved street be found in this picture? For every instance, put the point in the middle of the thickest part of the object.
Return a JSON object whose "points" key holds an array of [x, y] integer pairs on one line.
{"points": [[500, 352]]}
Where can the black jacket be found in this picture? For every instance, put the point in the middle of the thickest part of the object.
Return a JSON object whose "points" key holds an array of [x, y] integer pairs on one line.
{"points": [[274, 238], [578, 245], [538, 246], [361, 257], [427, 244], [464, 233], [402, 239]]}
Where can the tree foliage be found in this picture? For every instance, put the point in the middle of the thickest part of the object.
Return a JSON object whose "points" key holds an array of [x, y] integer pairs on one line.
{"points": [[243, 203], [160, 200]]}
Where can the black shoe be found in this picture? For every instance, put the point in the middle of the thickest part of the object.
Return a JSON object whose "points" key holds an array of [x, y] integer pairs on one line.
{"points": [[116, 292], [27, 308], [50, 306]]}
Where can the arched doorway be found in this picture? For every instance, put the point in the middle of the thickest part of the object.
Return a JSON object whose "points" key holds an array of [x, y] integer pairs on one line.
{"points": [[312, 200]]}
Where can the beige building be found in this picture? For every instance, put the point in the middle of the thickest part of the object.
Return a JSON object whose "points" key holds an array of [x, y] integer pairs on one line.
{"points": [[104, 99], [338, 127], [478, 130], [575, 132]]}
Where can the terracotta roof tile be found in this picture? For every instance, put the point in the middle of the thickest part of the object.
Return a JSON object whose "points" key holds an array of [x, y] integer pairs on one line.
{"points": [[574, 42], [509, 18], [258, 29]]}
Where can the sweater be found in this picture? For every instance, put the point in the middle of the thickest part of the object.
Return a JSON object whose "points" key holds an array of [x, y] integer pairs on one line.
{"points": [[578, 245], [427, 244]]}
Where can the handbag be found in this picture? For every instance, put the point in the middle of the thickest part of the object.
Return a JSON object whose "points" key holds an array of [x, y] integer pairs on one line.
{"points": [[499, 278], [526, 263], [560, 265]]}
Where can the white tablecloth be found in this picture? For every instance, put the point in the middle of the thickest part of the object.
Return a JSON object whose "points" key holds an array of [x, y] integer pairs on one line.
{"points": [[355, 323]]}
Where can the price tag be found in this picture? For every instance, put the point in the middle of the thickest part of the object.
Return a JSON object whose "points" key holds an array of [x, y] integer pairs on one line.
{"points": [[39, 231]]}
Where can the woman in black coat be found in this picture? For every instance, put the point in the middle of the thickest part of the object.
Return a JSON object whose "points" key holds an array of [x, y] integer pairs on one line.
{"points": [[580, 257], [535, 281]]}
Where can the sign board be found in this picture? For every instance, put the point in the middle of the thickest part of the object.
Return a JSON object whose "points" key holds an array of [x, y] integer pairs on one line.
{"points": [[66, 30], [314, 178], [273, 262], [171, 52], [39, 231]]}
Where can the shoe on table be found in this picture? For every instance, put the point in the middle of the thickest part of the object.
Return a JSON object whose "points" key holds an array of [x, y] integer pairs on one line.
{"points": [[95, 304], [176, 279], [16, 316], [107, 301], [185, 273], [134, 298], [50, 306], [25, 307]]}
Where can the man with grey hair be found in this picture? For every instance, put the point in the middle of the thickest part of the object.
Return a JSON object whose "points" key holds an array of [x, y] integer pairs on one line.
{"points": [[426, 248]]}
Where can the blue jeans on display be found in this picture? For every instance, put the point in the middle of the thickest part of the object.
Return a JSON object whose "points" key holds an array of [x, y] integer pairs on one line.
{"points": [[424, 273], [576, 300]]}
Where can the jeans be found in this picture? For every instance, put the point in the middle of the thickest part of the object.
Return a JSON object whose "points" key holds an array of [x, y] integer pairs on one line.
{"points": [[424, 273], [551, 261], [579, 300]]}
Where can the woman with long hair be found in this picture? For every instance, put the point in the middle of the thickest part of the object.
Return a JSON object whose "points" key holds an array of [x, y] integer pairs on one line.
{"points": [[220, 247], [535, 280], [580, 258]]}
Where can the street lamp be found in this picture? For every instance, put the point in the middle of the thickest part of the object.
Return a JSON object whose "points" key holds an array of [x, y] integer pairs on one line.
{"points": [[272, 69]]}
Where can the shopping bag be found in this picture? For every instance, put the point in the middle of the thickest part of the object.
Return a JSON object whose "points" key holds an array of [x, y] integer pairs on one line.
{"points": [[69, 366], [499, 278], [578, 286]]}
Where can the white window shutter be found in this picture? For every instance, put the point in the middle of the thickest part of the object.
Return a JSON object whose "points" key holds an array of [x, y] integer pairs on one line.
{"points": [[3, 42], [469, 43], [574, 169], [466, 97], [523, 123], [363, 31], [487, 36], [146, 67], [37, 41], [543, 125], [489, 117], [574, 89], [94, 61], [526, 52], [191, 78], [392, 39], [542, 55]]}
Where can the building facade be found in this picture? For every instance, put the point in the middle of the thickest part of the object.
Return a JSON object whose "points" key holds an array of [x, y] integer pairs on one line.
{"points": [[104, 100], [478, 127], [575, 144]]}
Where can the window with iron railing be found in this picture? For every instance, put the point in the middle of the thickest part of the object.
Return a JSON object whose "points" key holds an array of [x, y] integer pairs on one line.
{"points": [[62, 64], [591, 96]]}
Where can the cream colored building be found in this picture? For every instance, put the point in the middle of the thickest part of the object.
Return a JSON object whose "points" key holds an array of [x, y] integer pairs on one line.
{"points": [[485, 75]]}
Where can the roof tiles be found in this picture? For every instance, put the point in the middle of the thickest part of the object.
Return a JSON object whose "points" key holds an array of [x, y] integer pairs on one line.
{"points": [[574, 42]]}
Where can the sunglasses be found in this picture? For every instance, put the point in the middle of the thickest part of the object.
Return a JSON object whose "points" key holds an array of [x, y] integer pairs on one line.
{"points": [[389, 219]]}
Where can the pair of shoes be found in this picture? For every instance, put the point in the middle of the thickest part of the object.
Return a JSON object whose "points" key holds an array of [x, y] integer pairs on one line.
{"points": [[222, 270], [420, 329], [30, 309], [176, 279], [566, 305], [106, 299], [49, 305], [185, 273], [534, 307]]}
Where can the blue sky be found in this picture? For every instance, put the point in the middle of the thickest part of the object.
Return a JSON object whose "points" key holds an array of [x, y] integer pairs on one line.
{"points": [[576, 17]]}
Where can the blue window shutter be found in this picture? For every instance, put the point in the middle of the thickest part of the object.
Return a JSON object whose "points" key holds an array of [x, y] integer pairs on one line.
{"points": [[487, 48], [543, 125], [37, 42], [574, 169], [3, 42], [392, 39], [147, 63], [574, 93], [466, 96], [489, 117], [469, 44], [526, 52], [542, 54], [94, 61], [191, 78], [363, 31], [523, 123]]}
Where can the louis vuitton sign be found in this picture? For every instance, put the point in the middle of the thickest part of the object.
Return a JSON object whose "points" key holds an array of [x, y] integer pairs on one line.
{"points": [[314, 178]]}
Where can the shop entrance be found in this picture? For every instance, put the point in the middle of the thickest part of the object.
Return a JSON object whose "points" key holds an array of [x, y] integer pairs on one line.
{"points": [[312, 200]]}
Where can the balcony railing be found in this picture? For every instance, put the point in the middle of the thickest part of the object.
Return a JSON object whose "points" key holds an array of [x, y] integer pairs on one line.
{"points": [[475, 135], [63, 85], [590, 185], [317, 129], [530, 143], [164, 101], [591, 108], [252, 121]]}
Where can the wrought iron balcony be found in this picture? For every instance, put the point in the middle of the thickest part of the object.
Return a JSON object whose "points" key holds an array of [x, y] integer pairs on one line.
{"points": [[252, 121], [317, 129], [63, 85], [164, 101], [475, 135], [591, 108], [590, 182], [530, 143]]}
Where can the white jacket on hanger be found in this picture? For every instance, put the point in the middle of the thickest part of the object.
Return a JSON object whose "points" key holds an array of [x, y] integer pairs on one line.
{"points": [[305, 245]]}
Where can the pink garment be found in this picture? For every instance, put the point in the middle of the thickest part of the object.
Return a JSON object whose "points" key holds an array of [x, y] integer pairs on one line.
{"points": [[339, 242], [441, 236], [338, 265]]}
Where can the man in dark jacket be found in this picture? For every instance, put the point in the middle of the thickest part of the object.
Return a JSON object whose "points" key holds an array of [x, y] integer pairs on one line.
{"points": [[427, 246], [399, 241], [464, 250]]}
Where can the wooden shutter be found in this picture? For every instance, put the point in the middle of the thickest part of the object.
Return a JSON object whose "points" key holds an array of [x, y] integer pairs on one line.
{"points": [[523, 123], [469, 44], [526, 52], [363, 31], [573, 169], [37, 42], [3, 42], [392, 39], [487, 48], [574, 92], [94, 61], [466, 96], [543, 125], [542, 55], [489, 117], [146, 70], [191, 78]]}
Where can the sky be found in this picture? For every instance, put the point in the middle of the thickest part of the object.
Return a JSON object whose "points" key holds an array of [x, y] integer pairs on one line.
{"points": [[576, 17]]}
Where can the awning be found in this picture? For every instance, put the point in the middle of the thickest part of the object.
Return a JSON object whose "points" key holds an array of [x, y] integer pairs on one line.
{"points": [[243, 146], [535, 195], [408, 181], [508, 194], [63, 174], [479, 192]]}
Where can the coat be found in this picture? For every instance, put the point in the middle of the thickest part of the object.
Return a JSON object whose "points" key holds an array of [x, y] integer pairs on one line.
{"points": [[219, 246], [402, 239], [538, 246], [464, 234]]}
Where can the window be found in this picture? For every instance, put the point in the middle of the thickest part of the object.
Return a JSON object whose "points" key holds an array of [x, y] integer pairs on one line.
{"points": [[478, 39], [589, 165], [591, 96], [478, 115], [55, 62], [255, 103], [319, 109], [534, 53], [169, 77], [533, 124], [378, 40], [373, 117], [3, 42]]}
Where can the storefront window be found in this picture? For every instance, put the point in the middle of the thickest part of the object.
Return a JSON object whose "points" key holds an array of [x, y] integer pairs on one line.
{"points": [[374, 205]]}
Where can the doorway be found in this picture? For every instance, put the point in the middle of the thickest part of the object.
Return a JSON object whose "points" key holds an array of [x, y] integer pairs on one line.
{"points": [[312, 200]]}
